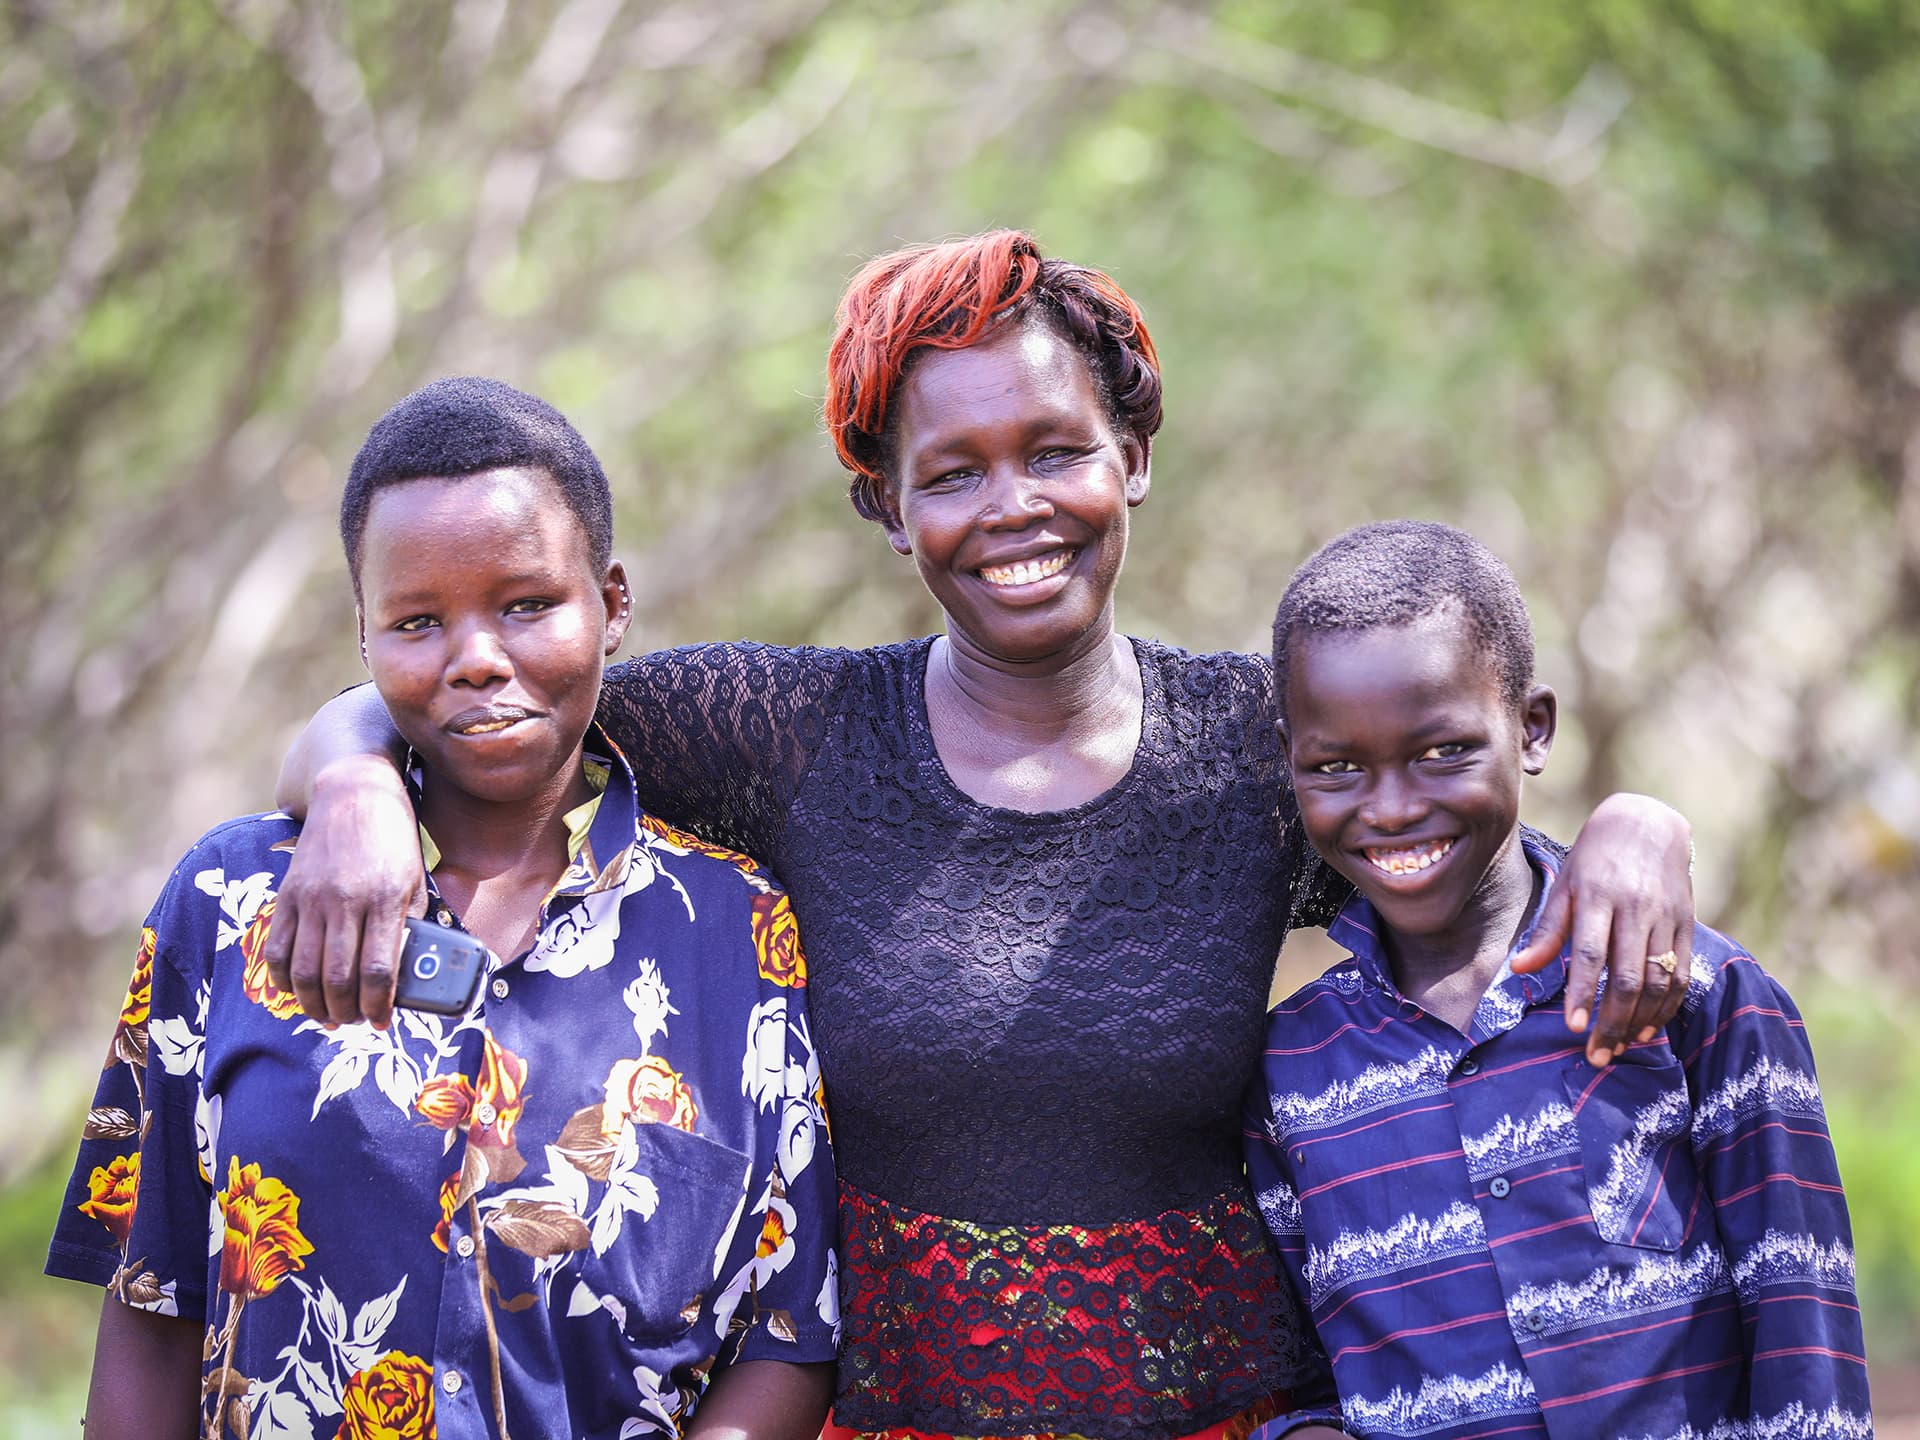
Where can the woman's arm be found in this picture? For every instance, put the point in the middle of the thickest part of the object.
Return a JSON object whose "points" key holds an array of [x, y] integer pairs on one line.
{"points": [[764, 1400], [146, 1376], [356, 874], [1625, 893]]}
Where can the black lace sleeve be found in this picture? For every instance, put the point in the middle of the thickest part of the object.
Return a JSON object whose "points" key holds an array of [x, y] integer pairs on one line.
{"points": [[720, 735]]}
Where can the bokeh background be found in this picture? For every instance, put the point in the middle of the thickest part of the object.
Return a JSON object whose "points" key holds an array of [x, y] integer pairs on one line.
{"points": [[1629, 287]]}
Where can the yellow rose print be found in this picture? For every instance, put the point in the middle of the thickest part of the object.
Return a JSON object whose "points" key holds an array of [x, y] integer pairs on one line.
{"points": [[503, 1078], [449, 1201], [281, 1004], [446, 1100], [389, 1400], [263, 1243], [695, 845], [649, 1092], [113, 1191], [776, 938]]}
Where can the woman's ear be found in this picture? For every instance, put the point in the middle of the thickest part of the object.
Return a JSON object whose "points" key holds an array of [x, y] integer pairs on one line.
{"points": [[1539, 715], [618, 599], [895, 527], [1139, 457]]}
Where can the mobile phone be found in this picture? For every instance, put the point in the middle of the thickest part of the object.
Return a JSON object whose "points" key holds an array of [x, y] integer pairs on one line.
{"points": [[440, 969]]}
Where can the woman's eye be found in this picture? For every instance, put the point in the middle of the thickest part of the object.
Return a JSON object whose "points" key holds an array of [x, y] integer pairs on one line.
{"points": [[529, 607], [1336, 767], [1450, 750]]}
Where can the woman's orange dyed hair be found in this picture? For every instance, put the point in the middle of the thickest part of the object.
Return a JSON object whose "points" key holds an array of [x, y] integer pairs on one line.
{"points": [[949, 296]]}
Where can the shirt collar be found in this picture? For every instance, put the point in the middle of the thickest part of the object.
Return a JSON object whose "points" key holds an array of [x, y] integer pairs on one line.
{"points": [[601, 831], [1358, 929]]}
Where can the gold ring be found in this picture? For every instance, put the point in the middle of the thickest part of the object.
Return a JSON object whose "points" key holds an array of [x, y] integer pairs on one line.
{"points": [[1666, 960]]}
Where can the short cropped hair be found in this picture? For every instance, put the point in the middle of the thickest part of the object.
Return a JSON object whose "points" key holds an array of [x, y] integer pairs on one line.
{"points": [[465, 425], [951, 295], [1396, 571]]}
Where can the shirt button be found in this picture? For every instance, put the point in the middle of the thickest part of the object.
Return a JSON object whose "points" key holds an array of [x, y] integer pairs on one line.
{"points": [[1498, 1187], [1469, 1067], [463, 1247], [451, 1382], [485, 1113], [1536, 1322], [443, 915], [499, 988]]}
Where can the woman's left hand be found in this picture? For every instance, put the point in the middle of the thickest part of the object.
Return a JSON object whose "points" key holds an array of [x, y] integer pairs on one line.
{"points": [[1625, 894]]}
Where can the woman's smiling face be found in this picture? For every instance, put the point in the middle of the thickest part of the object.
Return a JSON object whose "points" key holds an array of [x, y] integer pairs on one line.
{"points": [[486, 627], [1010, 490]]}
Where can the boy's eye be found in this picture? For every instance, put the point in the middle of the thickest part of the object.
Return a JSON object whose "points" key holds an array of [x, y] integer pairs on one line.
{"points": [[416, 623], [530, 606], [1447, 750], [1336, 767]]}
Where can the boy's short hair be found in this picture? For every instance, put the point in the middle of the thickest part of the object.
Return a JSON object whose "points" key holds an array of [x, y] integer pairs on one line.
{"points": [[465, 425], [1392, 573]]}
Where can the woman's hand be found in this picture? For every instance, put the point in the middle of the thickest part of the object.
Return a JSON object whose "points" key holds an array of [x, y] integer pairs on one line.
{"points": [[1624, 894], [339, 920]]}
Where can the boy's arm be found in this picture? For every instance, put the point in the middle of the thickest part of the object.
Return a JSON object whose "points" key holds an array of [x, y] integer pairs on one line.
{"points": [[764, 1400], [1760, 1139], [146, 1376], [1316, 1404]]}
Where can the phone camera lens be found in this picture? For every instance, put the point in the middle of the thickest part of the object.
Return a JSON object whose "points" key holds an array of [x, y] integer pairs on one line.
{"points": [[426, 964]]}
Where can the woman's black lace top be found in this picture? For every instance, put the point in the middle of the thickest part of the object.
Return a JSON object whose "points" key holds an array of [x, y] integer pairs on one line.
{"points": [[1024, 1020]]}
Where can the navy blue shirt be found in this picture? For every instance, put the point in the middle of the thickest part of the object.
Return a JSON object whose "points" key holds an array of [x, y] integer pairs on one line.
{"points": [[1495, 1238], [555, 1214]]}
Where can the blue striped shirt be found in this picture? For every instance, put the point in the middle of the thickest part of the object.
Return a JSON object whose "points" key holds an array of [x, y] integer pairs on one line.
{"points": [[1495, 1239]]}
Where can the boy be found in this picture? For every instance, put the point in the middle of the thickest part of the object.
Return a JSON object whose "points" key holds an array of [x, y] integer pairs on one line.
{"points": [[600, 1193], [1493, 1237]]}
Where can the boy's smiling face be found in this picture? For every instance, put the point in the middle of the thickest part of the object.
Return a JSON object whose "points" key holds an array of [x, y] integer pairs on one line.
{"points": [[1407, 761]]}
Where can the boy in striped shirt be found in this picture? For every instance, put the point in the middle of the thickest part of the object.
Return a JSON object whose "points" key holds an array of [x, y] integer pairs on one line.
{"points": [[1494, 1237]]}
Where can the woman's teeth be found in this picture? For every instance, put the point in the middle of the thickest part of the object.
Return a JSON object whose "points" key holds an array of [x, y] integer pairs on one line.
{"points": [[1408, 859], [1025, 572], [487, 727]]}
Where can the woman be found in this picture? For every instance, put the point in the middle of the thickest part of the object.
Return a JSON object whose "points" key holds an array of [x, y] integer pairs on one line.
{"points": [[552, 1208], [1043, 871]]}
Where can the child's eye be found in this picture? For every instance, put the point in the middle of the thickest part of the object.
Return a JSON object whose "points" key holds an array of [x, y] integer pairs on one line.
{"points": [[1336, 767], [414, 624], [1448, 750], [530, 606]]}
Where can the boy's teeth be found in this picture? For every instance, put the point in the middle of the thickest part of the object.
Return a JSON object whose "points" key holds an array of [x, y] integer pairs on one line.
{"points": [[1025, 572], [1408, 859]]}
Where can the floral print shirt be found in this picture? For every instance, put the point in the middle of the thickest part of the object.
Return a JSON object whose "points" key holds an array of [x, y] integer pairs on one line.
{"points": [[1494, 1238], [553, 1215]]}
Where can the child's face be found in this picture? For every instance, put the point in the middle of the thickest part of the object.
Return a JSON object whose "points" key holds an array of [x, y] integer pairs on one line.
{"points": [[1407, 763], [486, 627]]}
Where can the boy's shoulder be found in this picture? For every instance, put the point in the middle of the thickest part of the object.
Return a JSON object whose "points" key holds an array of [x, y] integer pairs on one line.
{"points": [[1318, 1007], [1722, 972]]}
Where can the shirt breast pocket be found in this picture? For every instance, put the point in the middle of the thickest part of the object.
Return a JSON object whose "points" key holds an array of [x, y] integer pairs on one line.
{"points": [[1634, 1120], [680, 1197]]}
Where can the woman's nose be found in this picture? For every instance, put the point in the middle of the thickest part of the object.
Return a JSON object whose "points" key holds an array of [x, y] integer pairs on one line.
{"points": [[478, 657], [1015, 497]]}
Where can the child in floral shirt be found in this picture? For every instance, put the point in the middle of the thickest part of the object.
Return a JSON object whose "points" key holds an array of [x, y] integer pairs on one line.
{"points": [[597, 1203]]}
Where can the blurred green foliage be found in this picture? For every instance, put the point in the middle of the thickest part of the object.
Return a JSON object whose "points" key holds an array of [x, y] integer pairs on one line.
{"points": [[1630, 287]]}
